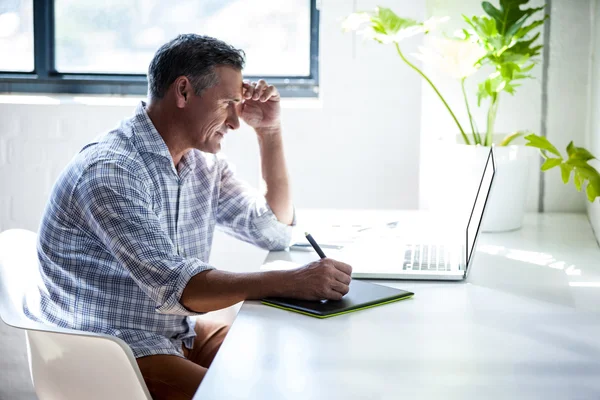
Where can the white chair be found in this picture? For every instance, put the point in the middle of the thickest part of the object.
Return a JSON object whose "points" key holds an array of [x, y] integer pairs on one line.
{"points": [[64, 364]]}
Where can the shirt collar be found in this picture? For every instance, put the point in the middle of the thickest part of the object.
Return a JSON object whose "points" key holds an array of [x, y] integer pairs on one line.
{"points": [[148, 140]]}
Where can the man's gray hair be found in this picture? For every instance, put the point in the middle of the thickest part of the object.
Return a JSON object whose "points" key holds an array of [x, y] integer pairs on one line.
{"points": [[193, 56]]}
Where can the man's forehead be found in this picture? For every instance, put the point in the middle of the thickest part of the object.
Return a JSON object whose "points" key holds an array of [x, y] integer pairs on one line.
{"points": [[234, 93], [230, 82], [229, 90]]}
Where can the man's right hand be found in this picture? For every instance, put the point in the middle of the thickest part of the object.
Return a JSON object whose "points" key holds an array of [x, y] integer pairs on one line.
{"points": [[324, 279]]}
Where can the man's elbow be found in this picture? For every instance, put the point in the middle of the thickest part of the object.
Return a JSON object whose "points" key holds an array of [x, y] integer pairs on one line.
{"points": [[276, 245], [195, 307], [192, 301]]}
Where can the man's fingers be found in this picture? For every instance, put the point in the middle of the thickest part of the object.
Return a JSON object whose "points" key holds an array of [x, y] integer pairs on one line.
{"points": [[340, 287], [259, 89], [334, 295], [247, 89], [269, 92], [251, 90], [345, 268], [342, 277]]}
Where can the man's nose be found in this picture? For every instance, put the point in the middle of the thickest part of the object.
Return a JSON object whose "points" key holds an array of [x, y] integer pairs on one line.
{"points": [[233, 121]]}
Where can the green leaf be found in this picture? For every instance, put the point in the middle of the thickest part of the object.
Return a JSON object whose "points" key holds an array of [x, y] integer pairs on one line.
{"points": [[469, 21], [500, 87], [581, 165], [541, 143], [579, 153], [510, 138], [510, 88], [593, 186], [578, 180], [551, 163], [381, 25], [585, 171], [504, 33], [508, 70], [523, 47], [582, 171], [482, 92], [488, 87], [507, 44], [509, 56], [570, 149], [491, 10], [378, 27], [521, 76], [526, 29], [592, 191], [509, 14], [484, 27], [565, 170], [513, 29], [495, 83], [527, 68], [390, 22]]}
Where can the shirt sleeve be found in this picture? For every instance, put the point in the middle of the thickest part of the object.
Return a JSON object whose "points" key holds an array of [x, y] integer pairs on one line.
{"points": [[116, 205], [246, 215]]}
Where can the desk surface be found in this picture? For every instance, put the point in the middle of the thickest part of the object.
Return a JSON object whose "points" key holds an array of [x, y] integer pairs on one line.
{"points": [[525, 324]]}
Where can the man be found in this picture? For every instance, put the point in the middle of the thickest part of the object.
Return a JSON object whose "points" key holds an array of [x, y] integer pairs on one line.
{"points": [[126, 235]]}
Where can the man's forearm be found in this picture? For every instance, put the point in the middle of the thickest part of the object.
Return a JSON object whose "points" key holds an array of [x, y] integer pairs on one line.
{"points": [[214, 290], [274, 172]]}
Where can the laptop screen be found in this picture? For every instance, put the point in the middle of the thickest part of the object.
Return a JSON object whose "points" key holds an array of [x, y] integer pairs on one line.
{"points": [[479, 206]]}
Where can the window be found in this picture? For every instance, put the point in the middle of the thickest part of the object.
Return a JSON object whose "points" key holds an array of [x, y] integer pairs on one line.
{"points": [[106, 46], [16, 35]]}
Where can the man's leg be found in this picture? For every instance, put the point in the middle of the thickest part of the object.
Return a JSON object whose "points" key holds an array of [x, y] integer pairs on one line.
{"points": [[209, 336], [172, 377]]}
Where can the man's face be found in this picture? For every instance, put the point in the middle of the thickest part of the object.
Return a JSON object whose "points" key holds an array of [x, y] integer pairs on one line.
{"points": [[211, 115]]}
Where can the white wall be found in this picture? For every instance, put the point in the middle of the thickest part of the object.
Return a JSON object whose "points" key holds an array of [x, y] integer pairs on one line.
{"points": [[593, 138], [356, 147], [360, 149], [359, 146], [568, 81], [567, 100]]}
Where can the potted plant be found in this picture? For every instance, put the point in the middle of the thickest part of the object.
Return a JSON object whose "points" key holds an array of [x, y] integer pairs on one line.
{"points": [[505, 41]]}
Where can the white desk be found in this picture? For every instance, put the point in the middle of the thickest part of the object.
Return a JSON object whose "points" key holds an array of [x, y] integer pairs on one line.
{"points": [[522, 326]]}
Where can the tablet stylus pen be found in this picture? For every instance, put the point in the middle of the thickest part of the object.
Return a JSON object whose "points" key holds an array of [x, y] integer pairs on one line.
{"points": [[314, 245]]}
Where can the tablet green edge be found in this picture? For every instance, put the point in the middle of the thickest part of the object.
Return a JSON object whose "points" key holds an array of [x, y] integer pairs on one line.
{"points": [[336, 314]]}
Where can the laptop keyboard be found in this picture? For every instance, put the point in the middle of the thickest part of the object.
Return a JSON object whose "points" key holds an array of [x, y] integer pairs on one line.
{"points": [[425, 257]]}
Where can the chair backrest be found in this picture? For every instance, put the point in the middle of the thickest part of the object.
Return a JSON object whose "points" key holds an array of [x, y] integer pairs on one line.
{"points": [[19, 272], [64, 363]]}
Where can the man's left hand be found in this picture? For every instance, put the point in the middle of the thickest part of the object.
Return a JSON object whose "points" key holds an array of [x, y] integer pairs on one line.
{"points": [[261, 105]]}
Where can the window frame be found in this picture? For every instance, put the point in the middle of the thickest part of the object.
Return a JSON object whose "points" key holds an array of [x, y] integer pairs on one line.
{"points": [[46, 79]]}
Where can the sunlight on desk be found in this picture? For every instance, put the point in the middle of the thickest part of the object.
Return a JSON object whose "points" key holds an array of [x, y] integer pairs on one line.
{"points": [[525, 324]]}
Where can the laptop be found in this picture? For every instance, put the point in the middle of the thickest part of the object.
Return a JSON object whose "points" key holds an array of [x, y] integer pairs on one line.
{"points": [[429, 260]]}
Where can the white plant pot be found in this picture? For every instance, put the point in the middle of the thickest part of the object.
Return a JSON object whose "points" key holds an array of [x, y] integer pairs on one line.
{"points": [[451, 177], [506, 206]]}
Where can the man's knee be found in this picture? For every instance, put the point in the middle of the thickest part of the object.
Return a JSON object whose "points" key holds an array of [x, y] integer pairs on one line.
{"points": [[170, 377]]}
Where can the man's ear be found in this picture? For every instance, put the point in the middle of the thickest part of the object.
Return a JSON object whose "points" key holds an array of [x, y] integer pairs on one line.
{"points": [[183, 89]]}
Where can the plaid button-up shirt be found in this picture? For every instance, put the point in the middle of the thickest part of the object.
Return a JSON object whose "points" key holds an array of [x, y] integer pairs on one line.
{"points": [[124, 231]]}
